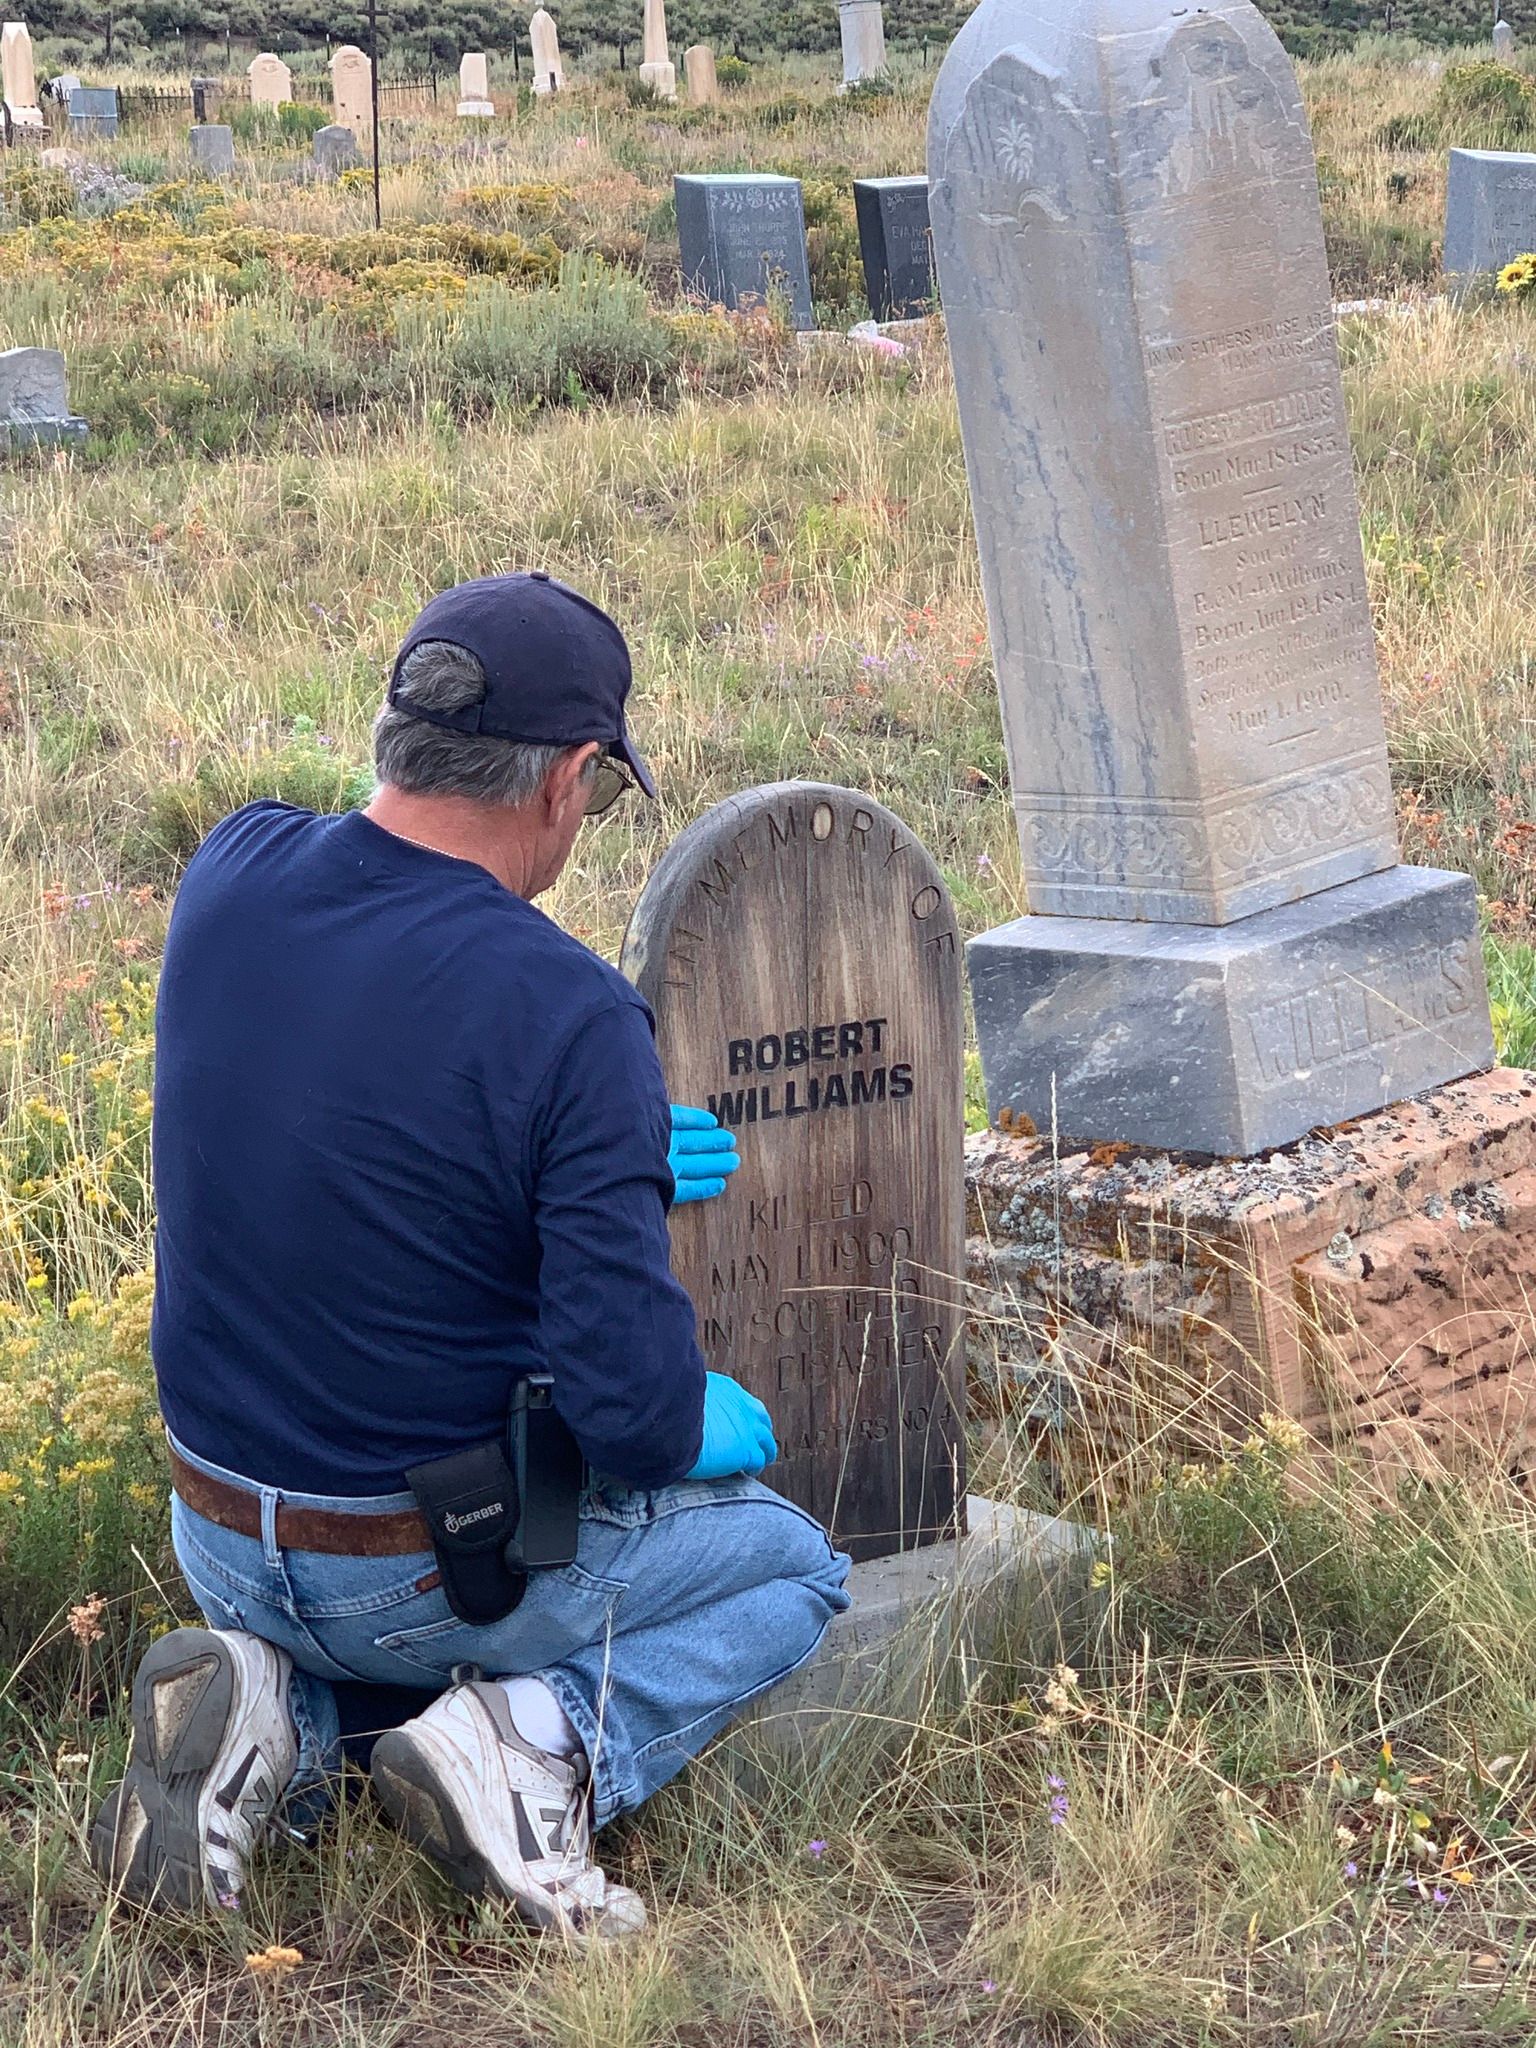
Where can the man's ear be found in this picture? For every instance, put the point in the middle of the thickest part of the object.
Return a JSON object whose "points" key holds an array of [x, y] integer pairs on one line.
{"points": [[566, 781]]}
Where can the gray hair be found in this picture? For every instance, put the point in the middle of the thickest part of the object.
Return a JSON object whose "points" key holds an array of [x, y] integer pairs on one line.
{"points": [[429, 760]]}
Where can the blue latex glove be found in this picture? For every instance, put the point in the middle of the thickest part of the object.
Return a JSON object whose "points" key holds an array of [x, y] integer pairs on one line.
{"points": [[738, 1431], [701, 1155]]}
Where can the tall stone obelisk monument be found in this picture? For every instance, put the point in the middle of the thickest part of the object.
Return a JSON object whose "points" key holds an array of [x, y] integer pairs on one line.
{"points": [[1224, 951]]}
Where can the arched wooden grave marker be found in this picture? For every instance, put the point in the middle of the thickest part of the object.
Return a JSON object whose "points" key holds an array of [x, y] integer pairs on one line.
{"points": [[799, 949]]}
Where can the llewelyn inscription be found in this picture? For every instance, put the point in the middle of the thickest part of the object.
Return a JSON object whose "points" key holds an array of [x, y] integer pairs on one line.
{"points": [[1130, 249], [799, 948]]}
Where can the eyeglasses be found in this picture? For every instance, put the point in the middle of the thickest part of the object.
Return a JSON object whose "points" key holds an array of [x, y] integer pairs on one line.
{"points": [[609, 783]]}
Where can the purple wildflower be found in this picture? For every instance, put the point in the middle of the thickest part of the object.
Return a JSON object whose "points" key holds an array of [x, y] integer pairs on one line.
{"points": [[1057, 1814], [983, 863], [816, 1850], [1441, 1898], [988, 1985], [1351, 1869], [1055, 1783]]}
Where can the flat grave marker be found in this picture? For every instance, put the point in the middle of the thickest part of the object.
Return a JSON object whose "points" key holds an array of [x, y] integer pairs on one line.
{"points": [[800, 951]]}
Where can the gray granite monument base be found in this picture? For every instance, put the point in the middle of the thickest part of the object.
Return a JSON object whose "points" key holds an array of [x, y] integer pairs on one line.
{"points": [[1016, 1582], [1234, 1039], [43, 433]]}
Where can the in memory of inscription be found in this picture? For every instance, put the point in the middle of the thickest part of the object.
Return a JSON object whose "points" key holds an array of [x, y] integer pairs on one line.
{"points": [[1129, 241], [800, 951]]}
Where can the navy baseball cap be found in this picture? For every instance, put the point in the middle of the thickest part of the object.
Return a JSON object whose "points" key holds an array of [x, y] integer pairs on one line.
{"points": [[556, 666]]}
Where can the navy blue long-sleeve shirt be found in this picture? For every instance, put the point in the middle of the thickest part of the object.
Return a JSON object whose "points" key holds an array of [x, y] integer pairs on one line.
{"points": [[410, 1142]]}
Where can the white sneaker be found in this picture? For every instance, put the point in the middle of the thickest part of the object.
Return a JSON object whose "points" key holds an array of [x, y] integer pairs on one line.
{"points": [[214, 1747], [497, 1815]]}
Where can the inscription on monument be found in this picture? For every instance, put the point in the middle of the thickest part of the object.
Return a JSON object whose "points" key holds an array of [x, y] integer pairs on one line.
{"points": [[1176, 678], [1490, 209], [800, 951], [896, 246], [743, 238]]}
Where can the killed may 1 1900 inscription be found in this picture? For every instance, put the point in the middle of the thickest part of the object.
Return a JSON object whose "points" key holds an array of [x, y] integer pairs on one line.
{"points": [[799, 949]]}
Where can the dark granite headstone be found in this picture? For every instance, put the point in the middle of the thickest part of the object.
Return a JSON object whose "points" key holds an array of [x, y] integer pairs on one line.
{"points": [[93, 111], [896, 246], [800, 952], [743, 238]]}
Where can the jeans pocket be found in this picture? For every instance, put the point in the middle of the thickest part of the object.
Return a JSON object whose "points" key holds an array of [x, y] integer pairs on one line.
{"points": [[562, 1611]]}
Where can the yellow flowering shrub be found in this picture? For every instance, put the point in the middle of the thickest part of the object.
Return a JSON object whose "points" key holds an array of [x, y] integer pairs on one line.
{"points": [[74, 1145], [537, 199], [83, 1481]]}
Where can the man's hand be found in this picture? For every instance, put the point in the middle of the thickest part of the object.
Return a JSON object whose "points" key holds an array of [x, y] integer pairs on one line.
{"points": [[702, 1156], [738, 1431]]}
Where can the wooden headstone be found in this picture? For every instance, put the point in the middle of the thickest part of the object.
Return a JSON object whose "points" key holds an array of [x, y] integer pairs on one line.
{"points": [[800, 951]]}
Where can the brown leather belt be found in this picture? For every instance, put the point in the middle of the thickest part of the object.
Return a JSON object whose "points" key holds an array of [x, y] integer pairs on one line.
{"points": [[398, 1534]]}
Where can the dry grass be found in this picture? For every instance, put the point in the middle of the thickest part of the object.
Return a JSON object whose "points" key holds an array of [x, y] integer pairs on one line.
{"points": [[786, 535]]}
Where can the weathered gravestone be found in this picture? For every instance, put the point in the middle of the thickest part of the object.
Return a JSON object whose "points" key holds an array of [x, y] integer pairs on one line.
{"points": [[699, 70], [34, 399], [1129, 243], [352, 90], [861, 24], [213, 149], [544, 41], [1503, 42], [799, 949], [271, 81], [335, 151], [206, 96], [475, 101], [1490, 210], [93, 111], [896, 246], [742, 237]]}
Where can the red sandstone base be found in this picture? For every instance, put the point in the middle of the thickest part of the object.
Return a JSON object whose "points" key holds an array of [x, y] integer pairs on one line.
{"points": [[1375, 1282]]}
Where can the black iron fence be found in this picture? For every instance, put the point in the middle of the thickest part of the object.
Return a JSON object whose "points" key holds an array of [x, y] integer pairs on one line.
{"points": [[138, 105]]}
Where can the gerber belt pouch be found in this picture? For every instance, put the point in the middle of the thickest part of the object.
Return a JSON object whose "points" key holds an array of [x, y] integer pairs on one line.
{"points": [[500, 1510], [470, 1505]]}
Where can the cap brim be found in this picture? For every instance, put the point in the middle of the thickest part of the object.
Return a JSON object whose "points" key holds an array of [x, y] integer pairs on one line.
{"points": [[623, 749]]}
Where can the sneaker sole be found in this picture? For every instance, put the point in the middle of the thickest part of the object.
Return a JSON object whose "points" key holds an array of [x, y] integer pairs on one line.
{"points": [[422, 1806], [146, 1842]]}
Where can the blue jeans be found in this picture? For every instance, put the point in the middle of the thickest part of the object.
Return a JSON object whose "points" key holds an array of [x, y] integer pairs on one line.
{"points": [[683, 1605]]}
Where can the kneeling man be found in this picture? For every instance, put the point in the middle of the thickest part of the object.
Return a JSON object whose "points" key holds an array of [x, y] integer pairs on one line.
{"points": [[412, 1145]]}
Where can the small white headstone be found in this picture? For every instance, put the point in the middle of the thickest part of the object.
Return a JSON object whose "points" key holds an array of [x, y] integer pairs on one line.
{"points": [[271, 81], [18, 80], [548, 71], [475, 88], [699, 70], [1503, 42], [352, 90]]}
